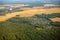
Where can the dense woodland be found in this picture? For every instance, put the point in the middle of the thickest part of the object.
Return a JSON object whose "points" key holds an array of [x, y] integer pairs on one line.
{"points": [[37, 27]]}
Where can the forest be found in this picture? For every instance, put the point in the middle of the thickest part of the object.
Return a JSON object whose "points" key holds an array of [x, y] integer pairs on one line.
{"points": [[37, 27]]}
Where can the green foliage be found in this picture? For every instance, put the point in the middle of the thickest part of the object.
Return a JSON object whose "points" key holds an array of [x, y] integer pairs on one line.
{"points": [[33, 21], [3, 12], [57, 24], [53, 15], [17, 31], [29, 28]]}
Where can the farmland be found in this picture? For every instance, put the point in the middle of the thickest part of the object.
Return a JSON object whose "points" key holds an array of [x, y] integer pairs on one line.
{"points": [[29, 12], [36, 23]]}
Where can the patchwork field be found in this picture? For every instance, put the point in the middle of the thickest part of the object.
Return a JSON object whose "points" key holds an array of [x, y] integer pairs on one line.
{"points": [[55, 19], [30, 12], [30, 24], [29, 20]]}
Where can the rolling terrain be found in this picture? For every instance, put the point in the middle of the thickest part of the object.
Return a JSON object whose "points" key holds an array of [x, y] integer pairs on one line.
{"points": [[37, 27], [29, 12], [29, 19], [36, 23]]}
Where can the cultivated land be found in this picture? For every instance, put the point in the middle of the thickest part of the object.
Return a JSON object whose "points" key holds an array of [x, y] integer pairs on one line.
{"points": [[30, 24], [28, 12], [1, 7], [55, 19]]}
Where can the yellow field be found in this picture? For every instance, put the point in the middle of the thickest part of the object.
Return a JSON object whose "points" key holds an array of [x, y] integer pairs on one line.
{"points": [[55, 19], [29, 12], [1, 7]]}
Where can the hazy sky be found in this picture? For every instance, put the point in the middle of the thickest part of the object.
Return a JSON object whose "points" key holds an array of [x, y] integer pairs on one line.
{"points": [[29, 0]]}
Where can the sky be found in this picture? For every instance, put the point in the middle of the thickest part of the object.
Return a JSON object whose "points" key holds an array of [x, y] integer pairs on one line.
{"points": [[30, 0]]}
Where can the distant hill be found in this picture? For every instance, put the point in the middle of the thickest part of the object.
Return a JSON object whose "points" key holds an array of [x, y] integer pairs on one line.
{"points": [[37, 3], [34, 3]]}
